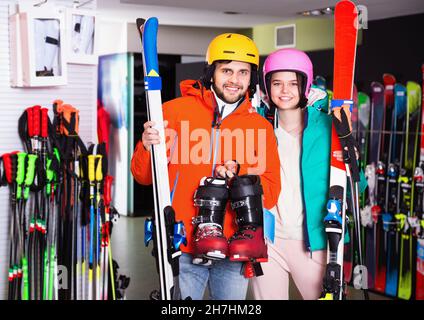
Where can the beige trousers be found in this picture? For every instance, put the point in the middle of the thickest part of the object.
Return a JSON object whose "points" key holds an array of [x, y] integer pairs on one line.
{"points": [[290, 256]]}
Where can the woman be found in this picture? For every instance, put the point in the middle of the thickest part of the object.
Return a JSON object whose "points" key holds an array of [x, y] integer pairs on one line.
{"points": [[303, 130]]}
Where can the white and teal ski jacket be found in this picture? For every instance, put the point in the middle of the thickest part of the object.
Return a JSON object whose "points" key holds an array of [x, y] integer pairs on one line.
{"points": [[315, 169]]}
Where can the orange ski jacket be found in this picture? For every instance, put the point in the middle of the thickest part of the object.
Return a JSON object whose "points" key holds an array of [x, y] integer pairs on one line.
{"points": [[196, 144]]}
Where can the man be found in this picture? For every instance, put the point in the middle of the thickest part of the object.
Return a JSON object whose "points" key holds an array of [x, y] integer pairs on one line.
{"points": [[214, 131]]}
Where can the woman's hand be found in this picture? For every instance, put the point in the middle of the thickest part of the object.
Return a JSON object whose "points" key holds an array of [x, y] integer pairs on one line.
{"points": [[339, 154]]}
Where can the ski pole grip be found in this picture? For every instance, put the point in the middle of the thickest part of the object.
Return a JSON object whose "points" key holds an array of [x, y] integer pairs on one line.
{"points": [[30, 121], [44, 122], [99, 172], [7, 161], [20, 174], [108, 190], [14, 159], [91, 163], [49, 175], [30, 174], [37, 123], [57, 104], [49, 171], [56, 154]]}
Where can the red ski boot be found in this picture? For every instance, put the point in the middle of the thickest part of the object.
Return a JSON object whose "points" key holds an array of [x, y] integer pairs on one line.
{"points": [[209, 241], [248, 243]]}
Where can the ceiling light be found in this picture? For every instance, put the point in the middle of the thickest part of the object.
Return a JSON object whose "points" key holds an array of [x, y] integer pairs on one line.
{"points": [[317, 12], [327, 11], [231, 12]]}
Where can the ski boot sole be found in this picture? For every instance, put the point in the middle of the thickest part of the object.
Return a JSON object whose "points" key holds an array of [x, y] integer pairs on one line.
{"points": [[207, 258], [239, 258]]}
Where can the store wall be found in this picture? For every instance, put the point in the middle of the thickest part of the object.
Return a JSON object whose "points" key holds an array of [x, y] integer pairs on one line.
{"points": [[177, 39], [389, 46], [312, 34], [81, 92]]}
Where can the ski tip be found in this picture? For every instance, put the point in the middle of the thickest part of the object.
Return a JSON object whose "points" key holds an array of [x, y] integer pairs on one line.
{"points": [[152, 22], [345, 3], [347, 9]]}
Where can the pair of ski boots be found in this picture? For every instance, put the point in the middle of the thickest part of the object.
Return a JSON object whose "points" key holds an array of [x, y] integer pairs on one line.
{"points": [[245, 196]]}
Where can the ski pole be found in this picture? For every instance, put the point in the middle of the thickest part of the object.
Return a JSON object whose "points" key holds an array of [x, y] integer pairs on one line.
{"points": [[10, 171], [99, 179], [47, 255], [20, 178], [29, 180], [83, 177], [91, 178], [105, 231]]}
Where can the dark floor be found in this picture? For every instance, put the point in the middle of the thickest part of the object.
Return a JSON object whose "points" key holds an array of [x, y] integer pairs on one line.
{"points": [[136, 262]]}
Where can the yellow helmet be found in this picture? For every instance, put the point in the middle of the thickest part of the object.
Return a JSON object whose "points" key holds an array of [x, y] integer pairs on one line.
{"points": [[232, 46]]}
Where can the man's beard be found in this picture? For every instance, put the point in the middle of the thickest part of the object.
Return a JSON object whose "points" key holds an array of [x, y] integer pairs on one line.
{"points": [[220, 94]]}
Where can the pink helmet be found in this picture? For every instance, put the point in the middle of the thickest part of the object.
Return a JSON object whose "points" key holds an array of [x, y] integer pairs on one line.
{"points": [[289, 60]]}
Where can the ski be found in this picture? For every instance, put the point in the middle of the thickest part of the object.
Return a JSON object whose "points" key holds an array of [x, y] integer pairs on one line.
{"points": [[349, 248], [419, 208], [407, 186], [162, 227], [374, 172], [382, 183], [364, 110], [406, 189], [363, 132], [346, 30], [393, 171]]}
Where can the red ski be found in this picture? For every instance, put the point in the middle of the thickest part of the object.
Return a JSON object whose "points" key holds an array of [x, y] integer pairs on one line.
{"points": [[419, 230], [346, 30]]}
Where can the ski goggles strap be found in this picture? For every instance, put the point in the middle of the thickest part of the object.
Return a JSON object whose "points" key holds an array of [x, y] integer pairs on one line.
{"points": [[337, 103]]}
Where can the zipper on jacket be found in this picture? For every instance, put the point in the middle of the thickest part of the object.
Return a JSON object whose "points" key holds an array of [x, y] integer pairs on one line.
{"points": [[214, 147], [216, 125], [305, 221]]}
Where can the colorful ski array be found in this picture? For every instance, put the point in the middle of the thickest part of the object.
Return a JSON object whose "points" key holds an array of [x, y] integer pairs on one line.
{"points": [[391, 143]]}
